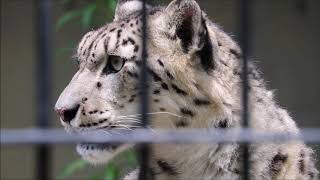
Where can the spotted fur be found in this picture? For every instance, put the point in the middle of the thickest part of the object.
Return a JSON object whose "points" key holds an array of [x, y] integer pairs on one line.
{"points": [[194, 70]]}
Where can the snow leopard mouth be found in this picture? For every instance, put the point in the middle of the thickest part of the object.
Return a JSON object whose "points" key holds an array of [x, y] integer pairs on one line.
{"points": [[99, 153], [95, 153], [98, 146], [85, 146]]}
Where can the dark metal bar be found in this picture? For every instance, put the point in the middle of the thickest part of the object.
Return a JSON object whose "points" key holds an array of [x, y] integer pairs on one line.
{"points": [[244, 38], [144, 149], [43, 29]]}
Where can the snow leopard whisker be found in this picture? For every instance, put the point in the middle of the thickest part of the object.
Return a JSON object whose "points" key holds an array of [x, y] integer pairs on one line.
{"points": [[153, 113], [125, 126], [128, 121], [129, 118]]}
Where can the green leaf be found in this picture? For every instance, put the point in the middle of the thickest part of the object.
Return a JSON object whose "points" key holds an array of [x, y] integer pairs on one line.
{"points": [[131, 158], [109, 8], [72, 167], [87, 15], [111, 173], [68, 16], [97, 176], [111, 4]]}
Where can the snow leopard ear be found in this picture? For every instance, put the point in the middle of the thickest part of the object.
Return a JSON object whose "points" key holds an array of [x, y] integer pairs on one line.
{"points": [[184, 20], [125, 8]]}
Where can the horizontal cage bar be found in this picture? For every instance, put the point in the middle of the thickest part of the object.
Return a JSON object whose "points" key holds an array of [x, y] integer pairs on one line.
{"points": [[49, 136]]}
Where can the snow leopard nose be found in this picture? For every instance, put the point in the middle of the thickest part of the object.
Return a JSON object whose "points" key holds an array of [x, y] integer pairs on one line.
{"points": [[67, 115]]}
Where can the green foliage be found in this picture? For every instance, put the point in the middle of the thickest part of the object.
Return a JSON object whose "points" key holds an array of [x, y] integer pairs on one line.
{"points": [[88, 14], [67, 17], [112, 171], [131, 158], [72, 168]]}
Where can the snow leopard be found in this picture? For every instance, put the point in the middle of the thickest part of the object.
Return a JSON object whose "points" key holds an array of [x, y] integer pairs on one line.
{"points": [[195, 82]]}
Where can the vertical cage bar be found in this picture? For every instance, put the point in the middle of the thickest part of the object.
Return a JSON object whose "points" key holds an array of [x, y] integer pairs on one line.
{"points": [[43, 39], [244, 38], [144, 149]]}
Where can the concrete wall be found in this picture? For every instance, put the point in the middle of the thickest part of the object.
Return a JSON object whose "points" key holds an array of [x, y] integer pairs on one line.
{"points": [[286, 47]]}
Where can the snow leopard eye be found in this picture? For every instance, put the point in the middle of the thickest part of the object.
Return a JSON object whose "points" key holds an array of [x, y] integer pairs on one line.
{"points": [[114, 64]]}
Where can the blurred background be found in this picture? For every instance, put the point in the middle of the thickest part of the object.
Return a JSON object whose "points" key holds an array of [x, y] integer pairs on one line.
{"points": [[285, 46]]}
